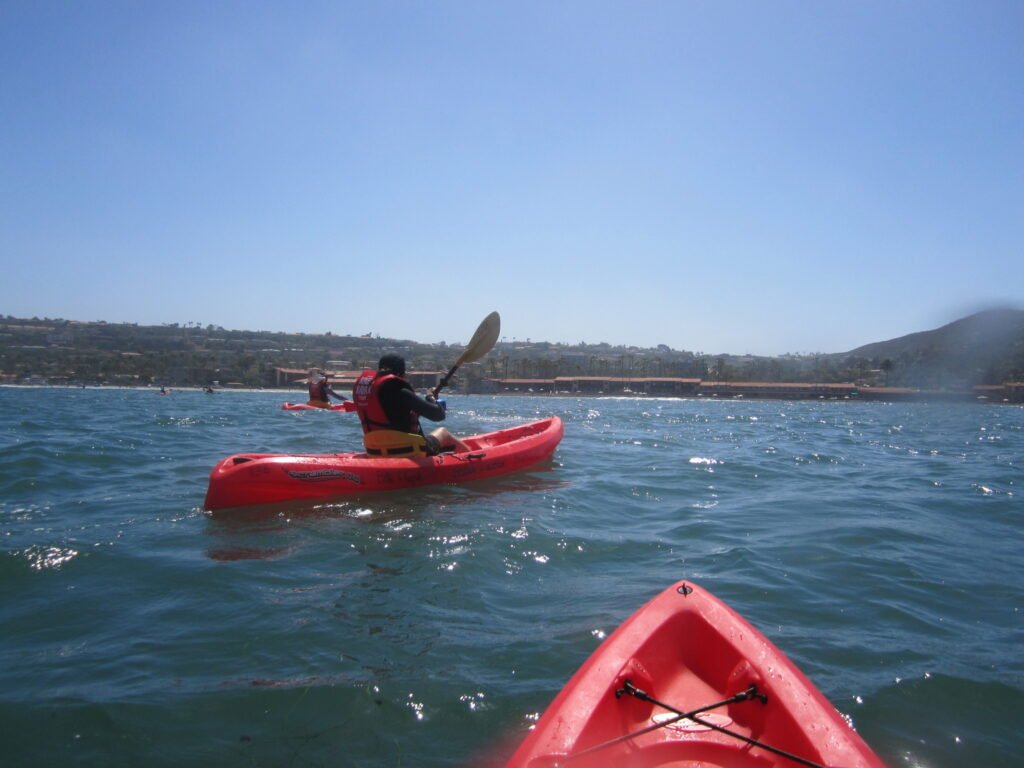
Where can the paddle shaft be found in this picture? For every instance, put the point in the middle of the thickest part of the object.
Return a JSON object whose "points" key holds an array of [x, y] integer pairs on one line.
{"points": [[444, 379]]}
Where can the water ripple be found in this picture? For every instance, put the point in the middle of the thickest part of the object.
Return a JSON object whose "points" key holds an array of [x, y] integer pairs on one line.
{"points": [[878, 545]]}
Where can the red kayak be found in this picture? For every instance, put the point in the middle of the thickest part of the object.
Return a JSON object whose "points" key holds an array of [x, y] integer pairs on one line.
{"points": [[686, 681], [346, 406], [265, 478]]}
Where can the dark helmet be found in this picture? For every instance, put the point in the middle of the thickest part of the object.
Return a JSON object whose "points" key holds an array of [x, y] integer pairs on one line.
{"points": [[392, 363]]}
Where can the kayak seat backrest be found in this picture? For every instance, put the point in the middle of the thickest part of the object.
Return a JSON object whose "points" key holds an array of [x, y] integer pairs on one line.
{"points": [[391, 442]]}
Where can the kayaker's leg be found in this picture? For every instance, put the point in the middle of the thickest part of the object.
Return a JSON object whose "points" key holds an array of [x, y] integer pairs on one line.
{"points": [[448, 440]]}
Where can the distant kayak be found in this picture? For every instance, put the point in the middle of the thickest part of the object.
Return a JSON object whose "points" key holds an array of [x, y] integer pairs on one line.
{"points": [[263, 478], [346, 407], [686, 681]]}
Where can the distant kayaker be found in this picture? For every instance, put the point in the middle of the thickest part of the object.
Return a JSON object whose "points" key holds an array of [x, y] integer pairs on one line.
{"points": [[386, 401], [320, 390]]}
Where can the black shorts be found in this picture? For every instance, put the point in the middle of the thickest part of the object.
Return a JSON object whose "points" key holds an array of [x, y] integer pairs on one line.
{"points": [[433, 446]]}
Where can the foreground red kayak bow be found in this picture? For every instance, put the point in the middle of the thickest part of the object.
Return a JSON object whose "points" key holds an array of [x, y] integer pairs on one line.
{"points": [[687, 682]]}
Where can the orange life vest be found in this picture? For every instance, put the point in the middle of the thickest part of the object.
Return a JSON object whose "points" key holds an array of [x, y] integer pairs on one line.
{"points": [[318, 390], [366, 395]]}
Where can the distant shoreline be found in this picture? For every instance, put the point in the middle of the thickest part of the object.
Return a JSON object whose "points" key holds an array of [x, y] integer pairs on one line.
{"points": [[914, 396]]}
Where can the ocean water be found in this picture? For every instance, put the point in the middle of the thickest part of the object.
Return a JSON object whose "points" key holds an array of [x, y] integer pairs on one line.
{"points": [[878, 545]]}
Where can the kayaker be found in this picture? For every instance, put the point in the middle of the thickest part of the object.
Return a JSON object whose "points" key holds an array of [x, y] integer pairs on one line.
{"points": [[385, 400], [320, 390]]}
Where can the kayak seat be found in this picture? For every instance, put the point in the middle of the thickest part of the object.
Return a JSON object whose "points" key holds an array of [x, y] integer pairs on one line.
{"points": [[391, 442]]}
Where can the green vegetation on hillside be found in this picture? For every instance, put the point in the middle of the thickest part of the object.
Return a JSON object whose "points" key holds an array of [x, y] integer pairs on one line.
{"points": [[987, 348], [983, 348]]}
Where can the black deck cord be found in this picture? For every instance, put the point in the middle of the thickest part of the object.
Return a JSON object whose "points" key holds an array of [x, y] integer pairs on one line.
{"points": [[628, 687], [632, 690]]}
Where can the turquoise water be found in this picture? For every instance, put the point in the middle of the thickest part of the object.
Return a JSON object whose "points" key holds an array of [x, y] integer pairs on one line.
{"points": [[880, 546]]}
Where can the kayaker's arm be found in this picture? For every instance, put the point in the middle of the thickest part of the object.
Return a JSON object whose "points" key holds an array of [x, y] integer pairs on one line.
{"points": [[428, 409], [342, 398]]}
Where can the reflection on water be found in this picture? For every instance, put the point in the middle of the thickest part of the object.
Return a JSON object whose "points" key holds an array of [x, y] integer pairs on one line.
{"points": [[255, 533], [247, 553]]}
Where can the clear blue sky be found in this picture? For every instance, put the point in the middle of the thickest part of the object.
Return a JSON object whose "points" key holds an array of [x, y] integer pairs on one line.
{"points": [[724, 177]]}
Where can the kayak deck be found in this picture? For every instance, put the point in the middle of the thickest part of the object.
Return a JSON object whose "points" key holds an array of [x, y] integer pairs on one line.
{"points": [[686, 651], [247, 479]]}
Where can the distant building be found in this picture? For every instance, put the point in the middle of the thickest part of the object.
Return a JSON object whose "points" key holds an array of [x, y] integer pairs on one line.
{"points": [[341, 379]]}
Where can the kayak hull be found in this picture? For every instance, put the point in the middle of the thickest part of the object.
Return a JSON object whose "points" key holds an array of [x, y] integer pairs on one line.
{"points": [[346, 406], [248, 479], [688, 649]]}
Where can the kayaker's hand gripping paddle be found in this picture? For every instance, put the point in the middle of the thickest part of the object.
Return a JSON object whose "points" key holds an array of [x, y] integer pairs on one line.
{"points": [[478, 346]]}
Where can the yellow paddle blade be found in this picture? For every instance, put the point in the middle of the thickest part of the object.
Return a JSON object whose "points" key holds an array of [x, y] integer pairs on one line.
{"points": [[482, 341]]}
